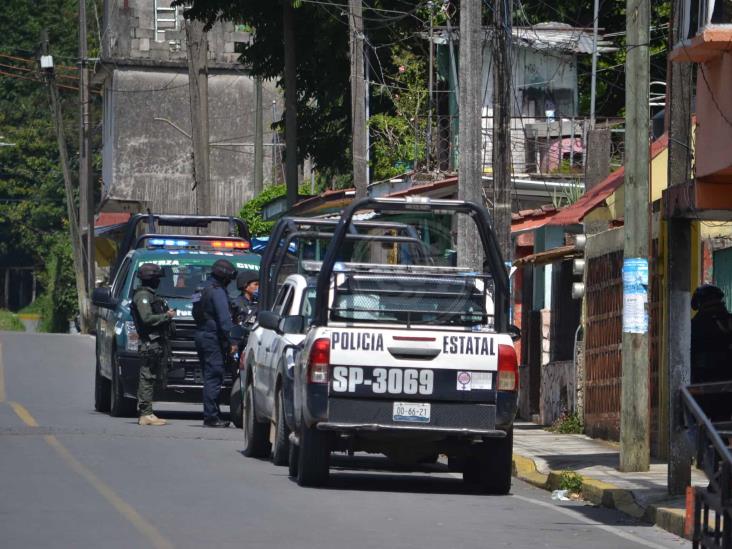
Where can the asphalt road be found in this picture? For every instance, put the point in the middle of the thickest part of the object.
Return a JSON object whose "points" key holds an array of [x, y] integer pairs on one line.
{"points": [[71, 477]]}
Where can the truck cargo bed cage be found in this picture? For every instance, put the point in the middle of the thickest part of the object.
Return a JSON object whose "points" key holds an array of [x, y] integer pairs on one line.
{"points": [[237, 227], [481, 217], [272, 274], [288, 225]]}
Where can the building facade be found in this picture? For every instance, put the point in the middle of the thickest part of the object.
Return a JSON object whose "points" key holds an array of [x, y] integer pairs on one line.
{"points": [[147, 148]]}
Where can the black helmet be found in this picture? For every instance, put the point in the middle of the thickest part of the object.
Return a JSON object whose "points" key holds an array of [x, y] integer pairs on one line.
{"points": [[149, 271], [245, 278], [223, 271], [704, 294]]}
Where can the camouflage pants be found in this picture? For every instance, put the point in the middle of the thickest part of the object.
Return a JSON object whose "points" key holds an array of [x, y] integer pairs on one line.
{"points": [[146, 384]]}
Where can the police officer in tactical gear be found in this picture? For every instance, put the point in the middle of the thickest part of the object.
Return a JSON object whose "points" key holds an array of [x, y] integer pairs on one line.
{"points": [[245, 305], [213, 340], [153, 321]]}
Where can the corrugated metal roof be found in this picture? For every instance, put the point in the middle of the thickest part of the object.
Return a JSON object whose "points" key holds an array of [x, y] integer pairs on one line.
{"points": [[560, 36], [542, 36]]}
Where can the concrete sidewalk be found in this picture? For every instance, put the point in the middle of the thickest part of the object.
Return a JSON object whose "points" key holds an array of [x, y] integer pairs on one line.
{"points": [[539, 456]]}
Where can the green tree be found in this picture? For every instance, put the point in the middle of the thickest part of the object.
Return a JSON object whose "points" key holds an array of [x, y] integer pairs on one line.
{"points": [[33, 226]]}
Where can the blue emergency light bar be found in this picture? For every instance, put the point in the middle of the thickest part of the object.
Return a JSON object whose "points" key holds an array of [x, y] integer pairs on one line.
{"points": [[168, 242]]}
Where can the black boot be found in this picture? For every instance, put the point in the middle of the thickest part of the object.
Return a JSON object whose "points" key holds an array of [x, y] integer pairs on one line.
{"points": [[215, 421]]}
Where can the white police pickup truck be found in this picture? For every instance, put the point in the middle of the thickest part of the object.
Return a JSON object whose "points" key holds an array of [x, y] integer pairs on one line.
{"points": [[408, 360]]}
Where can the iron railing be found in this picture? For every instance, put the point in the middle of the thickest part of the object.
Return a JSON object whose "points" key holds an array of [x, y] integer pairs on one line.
{"points": [[702, 403]]}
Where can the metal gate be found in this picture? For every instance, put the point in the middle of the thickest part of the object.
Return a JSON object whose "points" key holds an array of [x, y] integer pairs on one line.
{"points": [[603, 345]]}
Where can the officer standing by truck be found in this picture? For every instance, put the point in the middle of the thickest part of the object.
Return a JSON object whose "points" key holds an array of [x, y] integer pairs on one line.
{"points": [[213, 339], [245, 305], [152, 319]]}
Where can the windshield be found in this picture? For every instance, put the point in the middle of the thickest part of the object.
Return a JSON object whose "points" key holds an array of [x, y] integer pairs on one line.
{"points": [[181, 279]]}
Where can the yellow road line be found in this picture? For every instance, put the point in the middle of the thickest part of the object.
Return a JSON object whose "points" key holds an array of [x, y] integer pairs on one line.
{"points": [[24, 414], [2, 376], [124, 508]]}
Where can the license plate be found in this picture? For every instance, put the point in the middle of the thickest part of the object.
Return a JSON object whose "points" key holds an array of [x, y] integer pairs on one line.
{"points": [[411, 412]]}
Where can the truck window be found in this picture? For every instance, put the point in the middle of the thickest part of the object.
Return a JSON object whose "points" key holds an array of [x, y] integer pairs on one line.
{"points": [[121, 278], [398, 299]]}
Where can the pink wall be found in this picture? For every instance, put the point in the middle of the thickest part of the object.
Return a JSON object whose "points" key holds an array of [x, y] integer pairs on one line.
{"points": [[714, 133]]}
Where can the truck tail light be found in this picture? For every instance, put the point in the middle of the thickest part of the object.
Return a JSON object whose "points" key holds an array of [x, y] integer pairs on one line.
{"points": [[133, 338], [508, 375], [319, 361]]}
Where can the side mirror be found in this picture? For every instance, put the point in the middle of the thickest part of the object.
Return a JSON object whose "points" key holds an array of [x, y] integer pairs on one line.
{"points": [[269, 320], [102, 297], [294, 324], [514, 331]]}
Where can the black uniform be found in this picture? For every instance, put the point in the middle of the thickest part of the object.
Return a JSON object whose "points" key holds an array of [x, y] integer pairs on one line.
{"points": [[213, 342]]}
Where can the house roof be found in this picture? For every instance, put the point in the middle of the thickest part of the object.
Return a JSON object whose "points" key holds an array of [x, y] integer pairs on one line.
{"points": [[527, 220], [550, 36], [574, 214], [105, 219], [559, 36]]}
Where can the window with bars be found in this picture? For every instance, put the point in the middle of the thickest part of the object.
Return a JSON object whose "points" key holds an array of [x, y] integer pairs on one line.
{"points": [[166, 18]]}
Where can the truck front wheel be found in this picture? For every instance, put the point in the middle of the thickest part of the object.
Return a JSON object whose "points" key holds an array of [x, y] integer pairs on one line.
{"points": [[314, 457], [256, 433]]}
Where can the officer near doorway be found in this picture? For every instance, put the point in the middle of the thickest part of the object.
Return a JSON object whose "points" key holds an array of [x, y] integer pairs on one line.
{"points": [[213, 339], [153, 320]]}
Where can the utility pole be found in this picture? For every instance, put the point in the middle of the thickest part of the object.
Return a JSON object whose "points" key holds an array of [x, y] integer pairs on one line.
{"points": [[593, 77], [430, 83], [258, 138], [634, 408], [358, 99], [197, 45], [86, 188], [470, 168], [678, 289], [290, 105], [76, 243], [502, 22]]}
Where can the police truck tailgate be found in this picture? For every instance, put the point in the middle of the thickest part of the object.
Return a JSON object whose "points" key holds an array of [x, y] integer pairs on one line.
{"points": [[413, 364]]}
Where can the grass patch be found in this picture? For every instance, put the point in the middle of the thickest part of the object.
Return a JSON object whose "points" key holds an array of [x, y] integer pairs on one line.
{"points": [[569, 480], [34, 308], [567, 424], [10, 322]]}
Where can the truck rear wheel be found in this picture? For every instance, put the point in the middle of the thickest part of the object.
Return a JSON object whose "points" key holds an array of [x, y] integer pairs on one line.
{"points": [[314, 457], [281, 446], [490, 465], [102, 391], [256, 433]]}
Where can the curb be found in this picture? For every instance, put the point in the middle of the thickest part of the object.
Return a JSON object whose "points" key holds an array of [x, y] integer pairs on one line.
{"points": [[605, 494]]}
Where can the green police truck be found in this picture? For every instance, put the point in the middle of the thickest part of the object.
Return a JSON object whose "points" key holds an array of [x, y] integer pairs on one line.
{"points": [[186, 261]]}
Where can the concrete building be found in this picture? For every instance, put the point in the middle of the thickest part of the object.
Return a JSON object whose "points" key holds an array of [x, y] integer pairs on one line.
{"points": [[147, 160]]}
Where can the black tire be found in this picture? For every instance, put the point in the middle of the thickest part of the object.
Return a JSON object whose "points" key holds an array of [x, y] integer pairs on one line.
{"points": [[292, 460], [490, 466], [120, 406], [256, 433], [102, 391], [314, 457], [281, 445], [236, 408]]}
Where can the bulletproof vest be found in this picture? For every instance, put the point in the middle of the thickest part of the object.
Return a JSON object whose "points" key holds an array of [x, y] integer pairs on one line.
{"points": [[158, 306]]}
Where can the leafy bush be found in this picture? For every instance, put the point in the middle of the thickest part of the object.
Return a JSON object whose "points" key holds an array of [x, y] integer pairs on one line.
{"points": [[251, 212], [569, 480], [10, 322], [568, 424], [58, 303]]}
